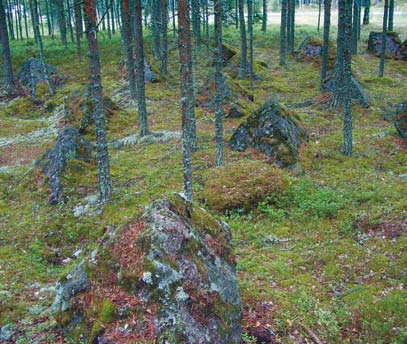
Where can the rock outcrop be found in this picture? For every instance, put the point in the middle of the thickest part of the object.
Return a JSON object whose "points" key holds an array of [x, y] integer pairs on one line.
{"points": [[273, 130], [311, 50], [34, 72], [169, 278], [69, 145], [394, 47], [400, 120]]}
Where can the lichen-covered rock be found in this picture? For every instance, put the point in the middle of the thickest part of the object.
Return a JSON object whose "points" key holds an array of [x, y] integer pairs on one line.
{"points": [[400, 120], [273, 130], [34, 72], [69, 145], [233, 95], [79, 107], [169, 278], [149, 75], [311, 49], [394, 47]]}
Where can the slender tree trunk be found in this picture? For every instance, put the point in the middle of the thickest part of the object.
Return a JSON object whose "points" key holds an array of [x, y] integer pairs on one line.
{"points": [[156, 26], [41, 23], [78, 27], [325, 48], [218, 85], [264, 21], [174, 29], [164, 38], [250, 29], [283, 31], [112, 19], [391, 15], [48, 14], [128, 47], [319, 13], [236, 13], [102, 154], [69, 12], [62, 22], [384, 38], [140, 86], [185, 59], [10, 21], [355, 27], [366, 13], [25, 19], [7, 66], [291, 32], [196, 23], [243, 43], [288, 34], [109, 30]]}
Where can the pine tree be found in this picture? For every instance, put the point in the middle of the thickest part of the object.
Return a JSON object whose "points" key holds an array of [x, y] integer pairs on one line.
{"points": [[384, 38], [62, 21], [102, 154], [243, 43], [218, 85], [264, 19], [325, 47], [185, 60], [283, 31], [7, 66], [366, 13]]}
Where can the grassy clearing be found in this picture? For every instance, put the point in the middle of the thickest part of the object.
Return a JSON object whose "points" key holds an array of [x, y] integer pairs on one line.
{"points": [[326, 255]]}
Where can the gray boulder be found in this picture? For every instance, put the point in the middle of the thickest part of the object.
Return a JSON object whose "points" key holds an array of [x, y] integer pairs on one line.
{"points": [[273, 130], [400, 120], [170, 278], [34, 72], [394, 47], [69, 145]]}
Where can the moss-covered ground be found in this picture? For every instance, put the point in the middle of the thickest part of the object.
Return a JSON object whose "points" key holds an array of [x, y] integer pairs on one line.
{"points": [[324, 259]]}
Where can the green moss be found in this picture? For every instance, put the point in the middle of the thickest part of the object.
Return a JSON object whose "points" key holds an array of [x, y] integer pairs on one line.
{"points": [[107, 312]]}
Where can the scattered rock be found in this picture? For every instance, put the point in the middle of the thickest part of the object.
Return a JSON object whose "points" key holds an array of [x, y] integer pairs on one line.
{"points": [[169, 278], [34, 72], [394, 47], [228, 51], [233, 94], [311, 50], [357, 91], [273, 130], [69, 145], [160, 136], [400, 120], [149, 75]]}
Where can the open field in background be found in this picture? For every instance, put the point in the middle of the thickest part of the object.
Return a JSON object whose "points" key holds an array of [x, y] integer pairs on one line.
{"points": [[328, 257]]}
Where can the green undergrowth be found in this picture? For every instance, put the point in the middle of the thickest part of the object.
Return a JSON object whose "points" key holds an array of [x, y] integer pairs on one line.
{"points": [[324, 246]]}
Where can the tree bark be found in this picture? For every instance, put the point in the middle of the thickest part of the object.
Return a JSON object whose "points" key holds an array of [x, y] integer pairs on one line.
{"points": [[366, 13], [384, 39], [140, 85], [62, 22], [243, 43], [102, 154], [164, 38], [7, 66], [264, 20], [218, 85], [325, 47], [185, 59], [78, 27], [391, 15], [283, 31]]}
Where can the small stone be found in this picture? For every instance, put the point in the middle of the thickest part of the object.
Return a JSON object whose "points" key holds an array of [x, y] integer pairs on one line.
{"points": [[6, 332]]}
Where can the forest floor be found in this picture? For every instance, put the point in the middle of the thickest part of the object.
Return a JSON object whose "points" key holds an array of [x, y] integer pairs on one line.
{"points": [[324, 262]]}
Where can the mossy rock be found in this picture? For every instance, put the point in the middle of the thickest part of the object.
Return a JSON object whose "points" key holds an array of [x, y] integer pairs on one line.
{"points": [[311, 50], [400, 120], [394, 47], [169, 276], [241, 185], [273, 130]]}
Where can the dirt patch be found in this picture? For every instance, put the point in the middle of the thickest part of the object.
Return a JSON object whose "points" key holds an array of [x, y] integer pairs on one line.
{"points": [[20, 154]]}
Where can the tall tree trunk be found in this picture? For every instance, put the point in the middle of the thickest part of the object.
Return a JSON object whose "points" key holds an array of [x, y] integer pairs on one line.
{"points": [[62, 22], [69, 12], [164, 38], [10, 21], [78, 26], [384, 38], [366, 13], [291, 32], [128, 47], [264, 20], [319, 14], [355, 27], [325, 47], [112, 18], [7, 66], [140, 86], [185, 60], [48, 14], [243, 43], [343, 94], [102, 154], [109, 30], [250, 31], [218, 85], [156, 26], [283, 31], [196, 23], [391, 15]]}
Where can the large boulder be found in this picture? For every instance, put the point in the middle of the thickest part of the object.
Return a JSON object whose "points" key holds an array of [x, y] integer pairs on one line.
{"points": [[169, 278], [69, 145], [394, 47], [273, 130], [400, 120], [311, 50], [34, 72]]}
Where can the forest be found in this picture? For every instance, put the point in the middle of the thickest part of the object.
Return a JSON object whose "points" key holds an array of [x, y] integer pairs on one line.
{"points": [[203, 171]]}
